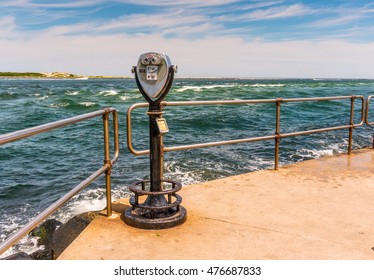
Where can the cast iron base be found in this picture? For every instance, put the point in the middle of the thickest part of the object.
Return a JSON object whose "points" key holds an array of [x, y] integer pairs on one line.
{"points": [[159, 210], [132, 218]]}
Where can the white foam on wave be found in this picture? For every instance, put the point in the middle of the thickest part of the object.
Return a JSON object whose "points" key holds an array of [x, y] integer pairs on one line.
{"points": [[128, 97], [110, 92], [27, 244], [267, 85], [201, 88], [87, 104], [208, 87], [59, 105], [39, 96], [175, 172], [308, 153], [86, 205], [259, 163], [72, 93], [9, 225], [89, 200]]}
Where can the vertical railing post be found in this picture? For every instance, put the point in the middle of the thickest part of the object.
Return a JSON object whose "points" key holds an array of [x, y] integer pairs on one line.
{"points": [[367, 115], [115, 131], [351, 124], [108, 162], [277, 133]]}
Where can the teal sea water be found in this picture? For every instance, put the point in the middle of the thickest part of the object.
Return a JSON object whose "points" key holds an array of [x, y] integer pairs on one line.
{"points": [[37, 171]]}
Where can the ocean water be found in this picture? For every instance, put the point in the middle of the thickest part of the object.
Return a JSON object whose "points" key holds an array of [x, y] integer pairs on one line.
{"points": [[37, 171]]}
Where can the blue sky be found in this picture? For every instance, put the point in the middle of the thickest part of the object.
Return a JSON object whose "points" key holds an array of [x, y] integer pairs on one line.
{"points": [[220, 38]]}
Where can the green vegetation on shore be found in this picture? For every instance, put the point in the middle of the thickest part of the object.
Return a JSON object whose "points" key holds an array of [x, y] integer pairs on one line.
{"points": [[38, 75], [20, 75], [53, 75]]}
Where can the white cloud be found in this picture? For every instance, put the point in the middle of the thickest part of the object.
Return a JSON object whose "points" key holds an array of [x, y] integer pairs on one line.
{"points": [[256, 5], [279, 12], [340, 16], [14, 3], [50, 4], [7, 27], [90, 3], [171, 3], [159, 22], [336, 21]]}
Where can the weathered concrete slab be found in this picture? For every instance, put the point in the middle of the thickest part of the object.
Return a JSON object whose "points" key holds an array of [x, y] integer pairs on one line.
{"points": [[318, 209]]}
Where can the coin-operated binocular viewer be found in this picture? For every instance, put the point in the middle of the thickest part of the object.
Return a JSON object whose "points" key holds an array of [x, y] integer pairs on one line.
{"points": [[155, 204]]}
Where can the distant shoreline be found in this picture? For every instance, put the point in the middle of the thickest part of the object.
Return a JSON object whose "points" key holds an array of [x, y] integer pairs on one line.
{"points": [[65, 75]]}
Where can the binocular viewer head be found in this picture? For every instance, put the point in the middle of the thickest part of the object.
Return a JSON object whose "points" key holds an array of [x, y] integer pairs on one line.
{"points": [[153, 74]]}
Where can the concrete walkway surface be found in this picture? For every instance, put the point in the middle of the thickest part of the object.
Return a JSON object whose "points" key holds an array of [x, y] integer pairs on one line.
{"points": [[317, 209]]}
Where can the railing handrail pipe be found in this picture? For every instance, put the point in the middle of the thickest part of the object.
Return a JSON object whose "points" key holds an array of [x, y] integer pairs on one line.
{"points": [[278, 135]]}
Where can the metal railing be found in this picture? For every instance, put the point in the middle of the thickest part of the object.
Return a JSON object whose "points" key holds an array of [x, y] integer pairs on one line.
{"points": [[106, 168], [276, 136]]}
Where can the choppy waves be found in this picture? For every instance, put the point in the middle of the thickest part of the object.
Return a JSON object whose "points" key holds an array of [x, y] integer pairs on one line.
{"points": [[226, 86]]}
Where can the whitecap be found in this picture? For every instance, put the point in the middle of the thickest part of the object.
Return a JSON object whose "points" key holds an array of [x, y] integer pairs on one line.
{"points": [[201, 88], [268, 85], [59, 105], [127, 97], [72, 93], [87, 104], [110, 92]]}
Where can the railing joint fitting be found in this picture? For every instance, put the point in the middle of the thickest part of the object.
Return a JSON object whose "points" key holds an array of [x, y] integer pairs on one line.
{"points": [[108, 163], [155, 113], [106, 113]]}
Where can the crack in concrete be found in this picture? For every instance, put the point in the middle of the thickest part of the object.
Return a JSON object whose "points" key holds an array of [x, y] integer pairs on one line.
{"points": [[274, 230]]}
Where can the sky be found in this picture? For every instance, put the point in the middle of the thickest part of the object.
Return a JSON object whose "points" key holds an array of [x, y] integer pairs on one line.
{"points": [[205, 38]]}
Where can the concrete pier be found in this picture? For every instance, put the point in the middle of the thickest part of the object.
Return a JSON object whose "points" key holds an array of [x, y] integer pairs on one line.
{"points": [[314, 210]]}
